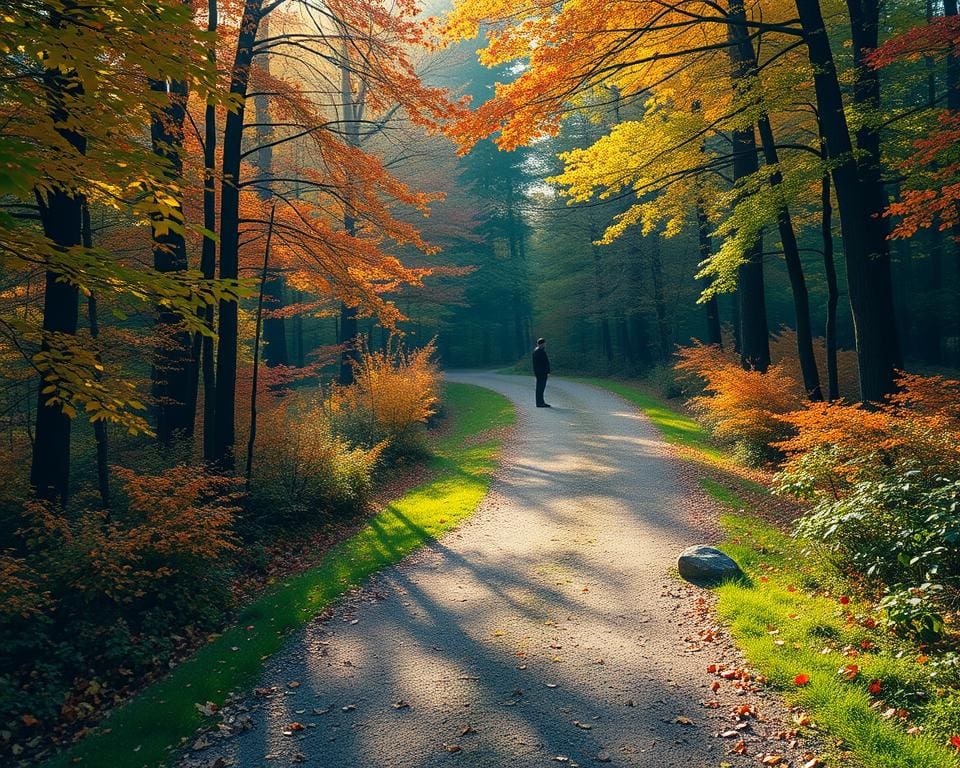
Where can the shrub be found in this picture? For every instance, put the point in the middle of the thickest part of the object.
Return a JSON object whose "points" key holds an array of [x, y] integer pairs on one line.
{"points": [[738, 405], [664, 380], [302, 469], [886, 487], [111, 591], [394, 394]]}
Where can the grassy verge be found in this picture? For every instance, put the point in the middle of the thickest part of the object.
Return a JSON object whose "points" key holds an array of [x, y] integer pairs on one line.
{"points": [[142, 732], [861, 686]]}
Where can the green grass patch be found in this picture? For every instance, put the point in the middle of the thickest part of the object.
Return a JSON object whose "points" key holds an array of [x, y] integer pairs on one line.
{"points": [[787, 625], [142, 732], [789, 620]]}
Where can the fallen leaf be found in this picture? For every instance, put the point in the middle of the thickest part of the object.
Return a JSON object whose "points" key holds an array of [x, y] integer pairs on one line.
{"points": [[772, 760], [582, 726], [467, 730], [293, 684], [874, 687], [801, 680], [401, 704], [295, 726], [683, 720], [453, 748], [844, 600], [850, 671], [955, 742], [29, 720]]}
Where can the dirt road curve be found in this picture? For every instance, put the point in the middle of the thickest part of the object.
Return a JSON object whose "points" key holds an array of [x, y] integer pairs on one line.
{"points": [[546, 631]]}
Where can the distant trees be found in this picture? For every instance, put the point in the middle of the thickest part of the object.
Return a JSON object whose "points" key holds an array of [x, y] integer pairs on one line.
{"points": [[704, 125]]}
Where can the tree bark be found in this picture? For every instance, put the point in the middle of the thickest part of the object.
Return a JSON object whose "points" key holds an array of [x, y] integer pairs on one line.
{"points": [[352, 113], [714, 332], [865, 247], [798, 284], [660, 304], [833, 292], [953, 104], [99, 426], [754, 332], [172, 372], [274, 328], [252, 437], [61, 216], [226, 395], [203, 344]]}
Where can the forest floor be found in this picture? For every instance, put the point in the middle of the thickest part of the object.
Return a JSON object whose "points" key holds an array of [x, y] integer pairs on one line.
{"points": [[550, 628]]}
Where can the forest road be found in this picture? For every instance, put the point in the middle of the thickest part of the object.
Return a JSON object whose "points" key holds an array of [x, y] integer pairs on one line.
{"points": [[546, 630]]}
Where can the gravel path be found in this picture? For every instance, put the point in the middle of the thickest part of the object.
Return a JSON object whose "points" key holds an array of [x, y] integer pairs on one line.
{"points": [[547, 630]]}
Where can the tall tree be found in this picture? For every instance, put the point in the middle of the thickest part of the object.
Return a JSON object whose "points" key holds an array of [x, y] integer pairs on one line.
{"points": [[864, 235]]}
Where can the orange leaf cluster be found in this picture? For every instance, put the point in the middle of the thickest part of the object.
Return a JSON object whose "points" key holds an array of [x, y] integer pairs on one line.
{"points": [[180, 518], [839, 444], [738, 404], [399, 389]]}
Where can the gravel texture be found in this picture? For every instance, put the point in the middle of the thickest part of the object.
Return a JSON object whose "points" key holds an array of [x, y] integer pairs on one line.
{"points": [[549, 629]]}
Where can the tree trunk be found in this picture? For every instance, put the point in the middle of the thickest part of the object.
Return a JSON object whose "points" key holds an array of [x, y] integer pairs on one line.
{"points": [[203, 351], [953, 104], [274, 328], [754, 333], [252, 437], [833, 292], [606, 343], [714, 333], [172, 372], [639, 335], [99, 426], [61, 215], [798, 284], [865, 246], [226, 396], [660, 305], [352, 113]]}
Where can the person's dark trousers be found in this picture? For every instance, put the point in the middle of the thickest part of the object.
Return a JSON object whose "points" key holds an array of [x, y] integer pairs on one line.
{"points": [[541, 385]]}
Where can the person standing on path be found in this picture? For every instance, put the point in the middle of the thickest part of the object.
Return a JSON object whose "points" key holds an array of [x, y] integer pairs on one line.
{"points": [[541, 369]]}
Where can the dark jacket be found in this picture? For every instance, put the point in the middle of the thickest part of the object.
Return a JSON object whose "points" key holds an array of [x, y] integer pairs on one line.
{"points": [[541, 363]]}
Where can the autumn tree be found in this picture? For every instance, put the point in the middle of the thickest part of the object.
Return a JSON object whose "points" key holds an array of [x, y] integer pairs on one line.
{"points": [[73, 127]]}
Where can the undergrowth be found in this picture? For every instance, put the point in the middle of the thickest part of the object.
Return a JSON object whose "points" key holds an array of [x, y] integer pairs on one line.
{"points": [[143, 732]]}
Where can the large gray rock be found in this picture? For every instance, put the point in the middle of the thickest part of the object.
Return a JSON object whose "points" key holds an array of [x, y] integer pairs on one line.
{"points": [[706, 565]]}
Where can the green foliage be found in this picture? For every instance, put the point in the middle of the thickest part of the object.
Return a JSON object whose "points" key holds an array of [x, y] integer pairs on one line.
{"points": [[901, 531]]}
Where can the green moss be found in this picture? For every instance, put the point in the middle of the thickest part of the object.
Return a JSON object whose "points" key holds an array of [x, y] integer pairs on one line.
{"points": [[142, 732]]}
